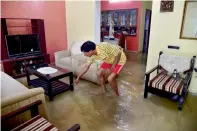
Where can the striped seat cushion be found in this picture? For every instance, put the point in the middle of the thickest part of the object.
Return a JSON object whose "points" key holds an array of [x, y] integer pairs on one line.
{"points": [[167, 83], [37, 123]]}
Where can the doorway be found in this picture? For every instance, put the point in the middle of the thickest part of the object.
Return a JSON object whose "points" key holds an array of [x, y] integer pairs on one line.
{"points": [[147, 30]]}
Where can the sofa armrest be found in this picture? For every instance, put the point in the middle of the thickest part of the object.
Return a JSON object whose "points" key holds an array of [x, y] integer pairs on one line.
{"points": [[187, 78], [75, 127], [80, 59], [33, 107], [187, 71], [83, 59], [14, 102], [61, 54], [150, 71]]}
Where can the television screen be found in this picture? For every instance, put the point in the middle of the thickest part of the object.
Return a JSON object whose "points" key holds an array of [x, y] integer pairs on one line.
{"points": [[22, 45]]}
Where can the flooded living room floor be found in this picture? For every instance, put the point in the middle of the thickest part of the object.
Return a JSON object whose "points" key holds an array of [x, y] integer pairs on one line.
{"points": [[96, 111]]}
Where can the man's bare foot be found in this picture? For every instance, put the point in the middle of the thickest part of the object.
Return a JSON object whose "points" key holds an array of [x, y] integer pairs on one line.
{"points": [[117, 95], [104, 90]]}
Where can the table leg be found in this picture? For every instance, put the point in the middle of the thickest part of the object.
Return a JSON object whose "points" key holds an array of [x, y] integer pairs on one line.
{"points": [[50, 91], [71, 82], [28, 78]]}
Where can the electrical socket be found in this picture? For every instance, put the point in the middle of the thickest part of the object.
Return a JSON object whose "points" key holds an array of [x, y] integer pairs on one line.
{"points": [[195, 69]]}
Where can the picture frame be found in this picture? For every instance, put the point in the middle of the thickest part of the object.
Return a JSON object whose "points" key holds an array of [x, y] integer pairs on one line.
{"points": [[167, 6], [189, 21]]}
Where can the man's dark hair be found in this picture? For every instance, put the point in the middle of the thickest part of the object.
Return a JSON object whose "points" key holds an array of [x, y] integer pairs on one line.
{"points": [[88, 46]]}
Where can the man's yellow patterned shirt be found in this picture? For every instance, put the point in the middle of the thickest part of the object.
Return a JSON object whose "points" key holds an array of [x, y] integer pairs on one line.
{"points": [[107, 53]]}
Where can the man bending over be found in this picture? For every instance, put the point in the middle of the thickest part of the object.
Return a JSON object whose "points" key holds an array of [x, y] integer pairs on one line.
{"points": [[114, 59]]}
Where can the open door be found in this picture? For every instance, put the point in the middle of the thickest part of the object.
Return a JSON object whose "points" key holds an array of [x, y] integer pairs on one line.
{"points": [[147, 30]]}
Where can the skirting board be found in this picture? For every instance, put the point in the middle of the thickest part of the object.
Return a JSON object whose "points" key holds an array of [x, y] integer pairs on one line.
{"points": [[194, 94], [131, 51]]}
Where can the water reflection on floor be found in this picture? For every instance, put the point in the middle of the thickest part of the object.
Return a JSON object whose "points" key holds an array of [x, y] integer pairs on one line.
{"points": [[96, 111]]}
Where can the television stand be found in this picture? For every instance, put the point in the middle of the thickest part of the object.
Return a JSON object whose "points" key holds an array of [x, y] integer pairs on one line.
{"points": [[26, 55], [15, 67]]}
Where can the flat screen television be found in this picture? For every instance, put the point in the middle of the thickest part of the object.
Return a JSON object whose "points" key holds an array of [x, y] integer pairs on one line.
{"points": [[22, 45]]}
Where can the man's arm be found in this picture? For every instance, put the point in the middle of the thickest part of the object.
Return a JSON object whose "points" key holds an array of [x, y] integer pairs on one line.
{"points": [[82, 73], [117, 59]]}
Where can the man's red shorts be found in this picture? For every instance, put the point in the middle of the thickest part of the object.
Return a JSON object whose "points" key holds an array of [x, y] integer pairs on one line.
{"points": [[116, 70]]}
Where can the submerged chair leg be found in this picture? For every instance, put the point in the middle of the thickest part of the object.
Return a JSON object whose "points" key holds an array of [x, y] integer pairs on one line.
{"points": [[182, 99], [145, 93], [180, 103], [146, 86]]}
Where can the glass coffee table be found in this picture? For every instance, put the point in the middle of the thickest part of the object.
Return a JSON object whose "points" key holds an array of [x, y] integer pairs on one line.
{"points": [[50, 82]]}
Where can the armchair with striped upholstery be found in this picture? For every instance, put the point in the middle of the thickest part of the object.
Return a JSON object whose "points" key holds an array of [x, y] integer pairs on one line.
{"points": [[36, 123], [173, 77]]}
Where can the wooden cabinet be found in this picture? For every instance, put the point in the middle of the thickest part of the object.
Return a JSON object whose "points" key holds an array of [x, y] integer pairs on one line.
{"points": [[116, 18], [124, 20], [133, 17], [120, 17]]}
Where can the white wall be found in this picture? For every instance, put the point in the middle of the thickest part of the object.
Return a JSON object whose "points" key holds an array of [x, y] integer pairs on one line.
{"points": [[165, 30], [83, 21], [97, 21], [145, 5]]}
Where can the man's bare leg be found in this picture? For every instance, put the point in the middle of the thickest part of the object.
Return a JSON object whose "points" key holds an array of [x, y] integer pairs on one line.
{"points": [[102, 82], [113, 83], [102, 79]]}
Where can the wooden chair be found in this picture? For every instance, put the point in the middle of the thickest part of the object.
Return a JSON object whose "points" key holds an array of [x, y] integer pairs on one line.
{"points": [[36, 123], [167, 82]]}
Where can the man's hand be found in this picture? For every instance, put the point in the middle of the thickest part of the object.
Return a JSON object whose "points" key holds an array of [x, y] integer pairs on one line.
{"points": [[77, 81], [82, 73]]}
